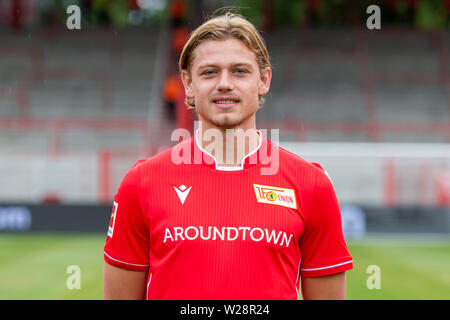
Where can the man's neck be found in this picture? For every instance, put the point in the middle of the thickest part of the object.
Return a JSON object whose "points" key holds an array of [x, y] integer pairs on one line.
{"points": [[228, 146]]}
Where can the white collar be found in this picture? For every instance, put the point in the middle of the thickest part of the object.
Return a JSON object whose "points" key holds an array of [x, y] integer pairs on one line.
{"points": [[227, 168]]}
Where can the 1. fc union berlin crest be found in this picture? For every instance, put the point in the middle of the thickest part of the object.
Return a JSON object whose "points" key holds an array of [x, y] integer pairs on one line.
{"points": [[274, 195]]}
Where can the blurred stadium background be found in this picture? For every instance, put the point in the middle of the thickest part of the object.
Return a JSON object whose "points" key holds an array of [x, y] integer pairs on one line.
{"points": [[79, 107]]}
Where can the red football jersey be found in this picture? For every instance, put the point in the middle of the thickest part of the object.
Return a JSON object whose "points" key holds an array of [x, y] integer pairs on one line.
{"points": [[202, 231]]}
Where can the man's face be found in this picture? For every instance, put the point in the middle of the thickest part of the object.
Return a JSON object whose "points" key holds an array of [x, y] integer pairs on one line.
{"points": [[226, 83]]}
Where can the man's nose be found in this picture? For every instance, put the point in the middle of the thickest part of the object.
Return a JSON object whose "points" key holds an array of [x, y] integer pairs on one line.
{"points": [[225, 82]]}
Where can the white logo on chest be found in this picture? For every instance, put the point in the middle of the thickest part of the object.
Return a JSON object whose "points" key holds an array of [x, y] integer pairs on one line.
{"points": [[182, 192]]}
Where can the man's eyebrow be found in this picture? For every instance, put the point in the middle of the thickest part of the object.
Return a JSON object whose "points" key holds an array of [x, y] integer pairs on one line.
{"points": [[233, 65], [207, 65], [242, 64]]}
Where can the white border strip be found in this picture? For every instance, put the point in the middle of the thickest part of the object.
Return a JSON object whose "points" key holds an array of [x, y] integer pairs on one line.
{"points": [[368, 150], [148, 284], [335, 265], [298, 277], [131, 264], [223, 168]]}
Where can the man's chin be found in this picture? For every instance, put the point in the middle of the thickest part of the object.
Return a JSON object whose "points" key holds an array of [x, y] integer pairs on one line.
{"points": [[226, 122]]}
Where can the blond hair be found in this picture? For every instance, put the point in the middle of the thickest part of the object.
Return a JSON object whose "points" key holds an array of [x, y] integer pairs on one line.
{"points": [[228, 25]]}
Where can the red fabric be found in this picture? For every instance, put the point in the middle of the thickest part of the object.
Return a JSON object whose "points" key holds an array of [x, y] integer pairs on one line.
{"points": [[184, 116], [172, 88], [231, 238], [177, 9], [443, 189], [133, 5], [16, 15], [179, 39], [392, 4], [447, 6], [314, 5], [413, 3]]}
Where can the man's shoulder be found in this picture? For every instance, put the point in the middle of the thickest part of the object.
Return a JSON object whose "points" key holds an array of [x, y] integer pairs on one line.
{"points": [[292, 159]]}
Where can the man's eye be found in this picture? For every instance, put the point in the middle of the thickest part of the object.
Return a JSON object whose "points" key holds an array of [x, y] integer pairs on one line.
{"points": [[208, 72], [240, 71]]}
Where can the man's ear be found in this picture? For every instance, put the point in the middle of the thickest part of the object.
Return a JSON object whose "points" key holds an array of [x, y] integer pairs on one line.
{"points": [[264, 84], [187, 83]]}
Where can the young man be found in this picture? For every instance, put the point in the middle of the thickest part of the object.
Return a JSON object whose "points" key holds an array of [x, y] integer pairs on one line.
{"points": [[235, 218]]}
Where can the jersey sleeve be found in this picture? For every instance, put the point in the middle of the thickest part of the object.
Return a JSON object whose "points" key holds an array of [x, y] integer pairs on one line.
{"points": [[127, 242], [322, 244]]}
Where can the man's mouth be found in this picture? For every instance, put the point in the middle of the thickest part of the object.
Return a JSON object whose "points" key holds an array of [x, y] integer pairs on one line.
{"points": [[226, 102]]}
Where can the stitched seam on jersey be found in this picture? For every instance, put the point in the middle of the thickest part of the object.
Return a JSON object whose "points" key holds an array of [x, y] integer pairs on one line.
{"points": [[311, 205], [148, 284], [140, 207], [298, 276], [300, 207], [131, 264], [328, 267], [138, 195]]}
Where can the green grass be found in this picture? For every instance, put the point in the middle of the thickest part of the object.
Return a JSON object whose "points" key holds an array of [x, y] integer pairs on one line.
{"points": [[33, 266], [410, 269]]}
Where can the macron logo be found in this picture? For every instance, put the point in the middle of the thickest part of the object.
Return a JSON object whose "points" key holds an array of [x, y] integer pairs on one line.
{"points": [[182, 192]]}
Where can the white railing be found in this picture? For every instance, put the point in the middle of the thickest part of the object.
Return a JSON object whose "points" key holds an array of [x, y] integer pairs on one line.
{"points": [[383, 173]]}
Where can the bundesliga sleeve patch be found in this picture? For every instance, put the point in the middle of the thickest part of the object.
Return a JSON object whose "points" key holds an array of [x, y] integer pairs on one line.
{"points": [[112, 221], [274, 195]]}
